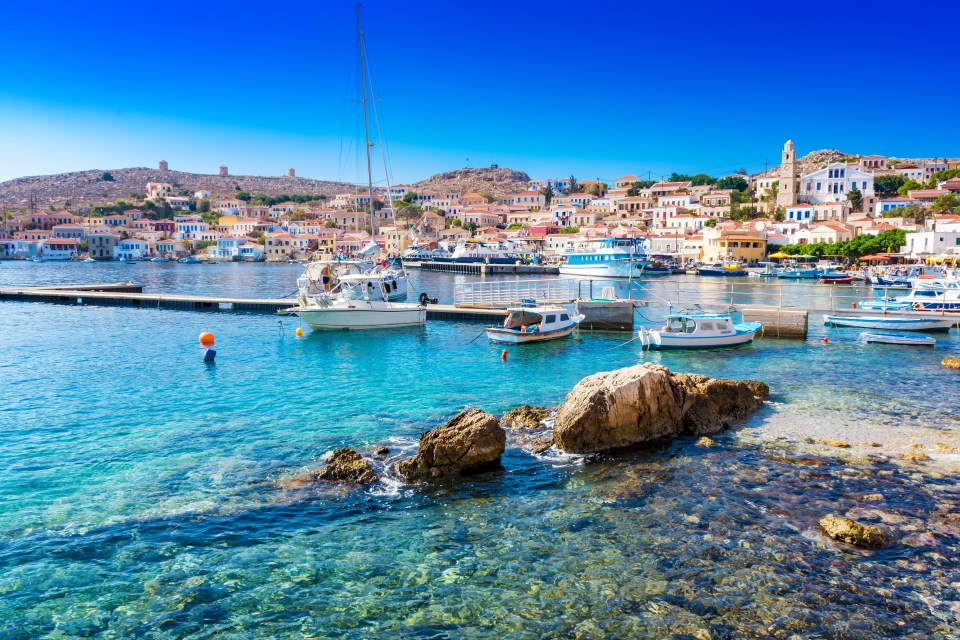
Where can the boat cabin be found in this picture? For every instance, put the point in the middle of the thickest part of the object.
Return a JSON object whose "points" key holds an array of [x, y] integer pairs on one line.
{"points": [[536, 319], [702, 324]]}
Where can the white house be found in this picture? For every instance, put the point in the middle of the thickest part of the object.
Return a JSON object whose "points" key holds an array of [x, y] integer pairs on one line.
{"points": [[230, 248], [60, 248], [200, 195], [833, 183], [189, 227], [131, 249], [892, 204], [922, 171], [68, 231], [926, 243]]}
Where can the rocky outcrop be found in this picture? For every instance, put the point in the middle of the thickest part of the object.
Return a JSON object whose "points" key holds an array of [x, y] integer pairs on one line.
{"points": [[472, 441], [83, 188], [950, 363], [495, 181], [622, 408], [525, 417], [346, 465], [852, 532]]}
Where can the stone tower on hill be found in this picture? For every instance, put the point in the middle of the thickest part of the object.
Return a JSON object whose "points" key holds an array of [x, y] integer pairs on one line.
{"points": [[787, 190]]}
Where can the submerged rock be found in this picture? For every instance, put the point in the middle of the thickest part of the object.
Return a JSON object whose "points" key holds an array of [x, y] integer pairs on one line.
{"points": [[841, 444], [525, 417], [704, 441], [852, 532], [381, 451], [621, 408], [346, 465], [472, 441], [950, 363]]}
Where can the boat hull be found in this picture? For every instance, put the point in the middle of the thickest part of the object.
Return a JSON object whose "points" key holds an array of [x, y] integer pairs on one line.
{"points": [[624, 269], [899, 324], [668, 341], [509, 336], [721, 272], [916, 341], [357, 318]]}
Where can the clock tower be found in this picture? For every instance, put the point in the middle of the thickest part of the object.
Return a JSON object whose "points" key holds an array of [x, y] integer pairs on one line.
{"points": [[787, 189]]}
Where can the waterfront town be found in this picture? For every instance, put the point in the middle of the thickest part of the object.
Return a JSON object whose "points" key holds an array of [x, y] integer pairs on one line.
{"points": [[691, 219]]}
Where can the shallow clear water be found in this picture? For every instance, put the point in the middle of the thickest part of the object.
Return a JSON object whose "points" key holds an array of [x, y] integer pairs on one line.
{"points": [[143, 496]]}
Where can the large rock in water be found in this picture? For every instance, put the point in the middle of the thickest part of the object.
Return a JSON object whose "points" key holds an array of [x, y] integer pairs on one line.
{"points": [[472, 441], [346, 465], [621, 408], [852, 532]]}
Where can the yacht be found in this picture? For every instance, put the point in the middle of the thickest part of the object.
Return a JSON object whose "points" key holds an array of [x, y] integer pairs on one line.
{"points": [[359, 299], [423, 253], [359, 303], [917, 300], [605, 258]]}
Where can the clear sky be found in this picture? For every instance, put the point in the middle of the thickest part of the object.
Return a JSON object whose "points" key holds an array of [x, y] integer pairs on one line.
{"points": [[593, 89]]}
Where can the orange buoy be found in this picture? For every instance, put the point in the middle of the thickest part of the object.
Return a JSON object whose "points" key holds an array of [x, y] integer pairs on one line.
{"points": [[825, 340], [503, 355], [206, 339], [853, 305], [299, 331]]}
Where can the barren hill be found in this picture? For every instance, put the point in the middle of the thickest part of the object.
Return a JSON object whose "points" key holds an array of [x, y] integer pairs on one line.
{"points": [[82, 188], [498, 182]]}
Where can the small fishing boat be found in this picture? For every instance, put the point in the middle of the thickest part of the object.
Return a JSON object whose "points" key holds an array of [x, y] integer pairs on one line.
{"points": [[88, 259], [892, 338], [699, 331], [900, 324], [531, 322], [727, 268], [159, 259], [837, 279], [188, 260]]}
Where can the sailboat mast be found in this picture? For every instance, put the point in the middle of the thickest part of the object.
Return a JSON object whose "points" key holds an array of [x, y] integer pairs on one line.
{"points": [[366, 123]]}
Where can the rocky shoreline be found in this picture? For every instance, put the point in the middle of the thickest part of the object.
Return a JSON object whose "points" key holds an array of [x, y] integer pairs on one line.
{"points": [[614, 412]]}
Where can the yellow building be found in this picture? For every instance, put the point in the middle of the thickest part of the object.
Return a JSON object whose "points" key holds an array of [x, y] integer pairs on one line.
{"points": [[745, 246]]}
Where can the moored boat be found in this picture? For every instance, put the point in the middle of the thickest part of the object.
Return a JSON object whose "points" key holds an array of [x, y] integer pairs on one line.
{"points": [[892, 338], [900, 324], [534, 323], [699, 331], [727, 268]]}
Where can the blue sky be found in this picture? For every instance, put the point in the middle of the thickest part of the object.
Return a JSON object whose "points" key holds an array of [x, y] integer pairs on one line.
{"points": [[552, 88]]}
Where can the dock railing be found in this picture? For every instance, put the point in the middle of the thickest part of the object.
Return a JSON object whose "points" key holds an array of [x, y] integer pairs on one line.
{"points": [[502, 293]]}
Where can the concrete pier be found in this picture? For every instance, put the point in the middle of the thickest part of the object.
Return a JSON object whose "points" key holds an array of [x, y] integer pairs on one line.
{"points": [[606, 315], [779, 323]]}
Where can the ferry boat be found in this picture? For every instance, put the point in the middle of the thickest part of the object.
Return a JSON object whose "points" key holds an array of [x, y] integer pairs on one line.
{"points": [[422, 253], [474, 251], [534, 323], [605, 258], [901, 324], [725, 268], [699, 331]]}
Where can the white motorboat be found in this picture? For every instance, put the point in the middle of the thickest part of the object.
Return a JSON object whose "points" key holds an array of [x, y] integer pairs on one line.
{"points": [[358, 304], [891, 338], [534, 323], [699, 331], [606, 258], [900, 324]]}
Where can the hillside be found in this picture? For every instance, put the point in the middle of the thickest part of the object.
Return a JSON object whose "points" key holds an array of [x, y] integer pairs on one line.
{"points": [[82, 188], [498, 182]]}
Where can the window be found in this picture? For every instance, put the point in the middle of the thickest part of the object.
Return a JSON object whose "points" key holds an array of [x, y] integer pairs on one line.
{"points": [[564, 316]]}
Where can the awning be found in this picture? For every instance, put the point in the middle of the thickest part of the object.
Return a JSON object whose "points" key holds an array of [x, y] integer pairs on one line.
{"points": [[779, 255]]}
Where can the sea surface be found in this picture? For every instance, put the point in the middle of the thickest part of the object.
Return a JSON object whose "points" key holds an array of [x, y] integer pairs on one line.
{"points": [[146, 494]]}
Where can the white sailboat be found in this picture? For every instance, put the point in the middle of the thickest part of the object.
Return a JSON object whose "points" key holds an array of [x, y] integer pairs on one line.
{"points": [[358, 300]]}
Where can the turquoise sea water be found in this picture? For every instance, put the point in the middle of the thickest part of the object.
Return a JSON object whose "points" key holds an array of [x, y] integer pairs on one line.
{"points": [[143, 493]]}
